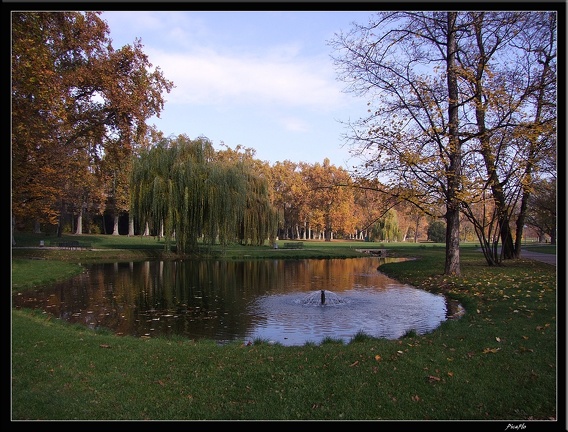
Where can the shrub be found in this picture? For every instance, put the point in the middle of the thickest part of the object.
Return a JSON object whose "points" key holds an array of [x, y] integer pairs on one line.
{"points": [[437, 232]]}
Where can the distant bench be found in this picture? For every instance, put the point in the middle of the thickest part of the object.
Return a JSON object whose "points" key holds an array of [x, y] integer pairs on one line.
{"points": [[378, 252], [293, 245], [73, 245]]}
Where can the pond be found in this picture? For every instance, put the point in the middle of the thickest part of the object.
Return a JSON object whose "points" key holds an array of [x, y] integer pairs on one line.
{"points": [[279, 301]]}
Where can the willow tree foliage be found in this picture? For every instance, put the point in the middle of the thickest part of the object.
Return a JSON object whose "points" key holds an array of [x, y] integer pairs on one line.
{"points": [[386, 228], [182, 186]]}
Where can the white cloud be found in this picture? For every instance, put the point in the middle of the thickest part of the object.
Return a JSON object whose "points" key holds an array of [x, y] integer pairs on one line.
{"points": [[262, 80], [295, 124], [208, 67], [209, 78]]}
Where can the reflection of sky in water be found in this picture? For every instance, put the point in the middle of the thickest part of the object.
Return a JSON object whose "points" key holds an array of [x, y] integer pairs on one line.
{"points": [[242, 300], [386, 313]]}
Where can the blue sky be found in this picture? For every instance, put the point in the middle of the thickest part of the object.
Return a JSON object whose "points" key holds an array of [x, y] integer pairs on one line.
{"points": [[263, 80]]}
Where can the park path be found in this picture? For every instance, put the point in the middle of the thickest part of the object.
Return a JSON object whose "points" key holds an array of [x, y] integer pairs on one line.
{"points": [[538, 256]]}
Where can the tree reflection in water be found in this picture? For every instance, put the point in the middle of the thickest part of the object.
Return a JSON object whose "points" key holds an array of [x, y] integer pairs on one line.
{"points": [[243, 300]]}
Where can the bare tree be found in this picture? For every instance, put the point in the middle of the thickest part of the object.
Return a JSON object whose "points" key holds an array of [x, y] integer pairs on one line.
{"points": [[507, 66], [405, 62], [462, 114]]}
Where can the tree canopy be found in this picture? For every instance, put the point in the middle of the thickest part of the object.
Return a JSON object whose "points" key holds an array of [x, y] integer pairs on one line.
{"points": [[462, 114], [461, 127], [199, 197], [79, 110]]}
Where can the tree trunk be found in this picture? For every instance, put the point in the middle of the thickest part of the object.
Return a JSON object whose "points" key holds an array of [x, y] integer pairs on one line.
{"points": [[79, 229], [453, 175], [130, 225], [552, 235], [521, 223], [60, 221], [452, 266], [115, 230], [416, 231]]}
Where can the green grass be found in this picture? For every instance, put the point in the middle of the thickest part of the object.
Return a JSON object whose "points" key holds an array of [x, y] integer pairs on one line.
{"points": [[27, 273], [498, 362]]}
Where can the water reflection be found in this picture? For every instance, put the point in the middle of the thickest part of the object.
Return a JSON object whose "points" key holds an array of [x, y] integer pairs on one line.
{"points": [[242, 300]]}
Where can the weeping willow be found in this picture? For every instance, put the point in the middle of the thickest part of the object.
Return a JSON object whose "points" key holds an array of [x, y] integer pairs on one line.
{"points": [[151, 188], [181, 186], [259, 221]]}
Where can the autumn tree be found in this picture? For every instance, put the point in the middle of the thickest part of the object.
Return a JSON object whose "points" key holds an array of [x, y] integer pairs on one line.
{"points": [[288, 192], [507, 65], [411, 220], [542, 209], [537, 128], [78, 109], [372, 202], [330, 198], [463, 114], [44, 52], [368, 209], [405, 63]]}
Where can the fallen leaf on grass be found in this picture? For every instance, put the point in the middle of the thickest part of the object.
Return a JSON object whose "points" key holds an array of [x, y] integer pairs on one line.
{"points": [[490, 350], [377, 357], [104, 346], [354, 364], [433, 378]]}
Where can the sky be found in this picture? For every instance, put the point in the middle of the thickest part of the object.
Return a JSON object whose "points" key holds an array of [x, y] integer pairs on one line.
{"points": [[262, 80]]}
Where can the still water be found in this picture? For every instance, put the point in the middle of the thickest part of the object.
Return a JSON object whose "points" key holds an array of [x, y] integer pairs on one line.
{"points": [[272, 300]]}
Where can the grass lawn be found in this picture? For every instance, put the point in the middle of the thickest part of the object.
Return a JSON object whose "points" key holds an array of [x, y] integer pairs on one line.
{"points": [[499, 362]]}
